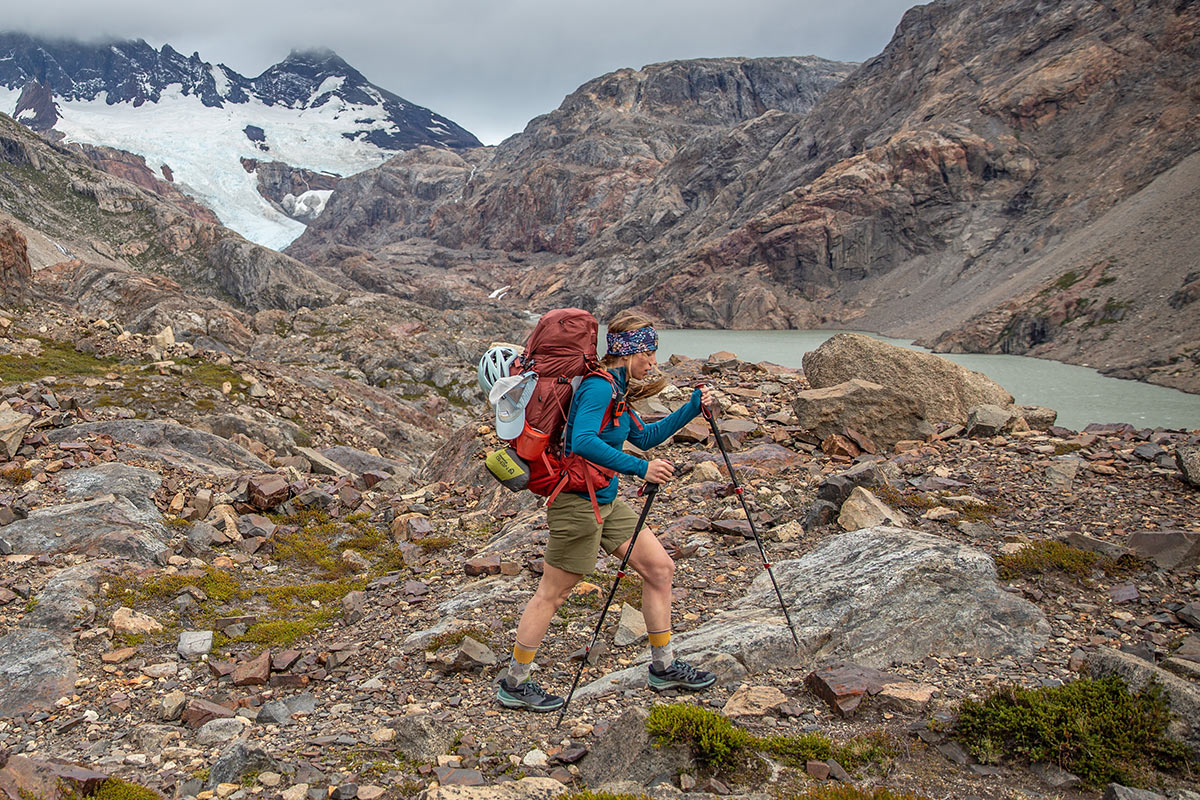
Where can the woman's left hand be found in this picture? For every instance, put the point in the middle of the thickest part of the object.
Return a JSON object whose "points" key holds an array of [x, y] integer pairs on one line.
{"points": [[706, 396]]}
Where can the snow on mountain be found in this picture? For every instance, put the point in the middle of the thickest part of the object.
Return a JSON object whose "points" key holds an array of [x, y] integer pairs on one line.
{"points": [[311, 111]]}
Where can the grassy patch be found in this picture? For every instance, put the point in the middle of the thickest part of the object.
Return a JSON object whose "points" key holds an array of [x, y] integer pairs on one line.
{"points": [[1051, 555], [18, 475], [1063, 448], [450, 638], [718, 744], [715, 742], [57, 359], [432, 543], [898, 500], [1067, 280], [111, 789], [134, 590], [286, 632], [1094, 728], [843, 792]]}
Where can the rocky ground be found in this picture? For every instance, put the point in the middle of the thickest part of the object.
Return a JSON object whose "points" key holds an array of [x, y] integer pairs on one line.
{"points": [[239, 577]]}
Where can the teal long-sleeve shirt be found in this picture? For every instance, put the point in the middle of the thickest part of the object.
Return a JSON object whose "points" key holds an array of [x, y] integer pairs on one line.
{"points": [[584, 436]]}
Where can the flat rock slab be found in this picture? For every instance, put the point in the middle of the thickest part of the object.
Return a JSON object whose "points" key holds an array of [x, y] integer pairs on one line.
{"points": [[873, 596], [360, 461], [844, 685], [168, 443], [135, 484], [1167, 549], [30, 777], [38, 667], [524, 789], [107, 526], [761, 460]]}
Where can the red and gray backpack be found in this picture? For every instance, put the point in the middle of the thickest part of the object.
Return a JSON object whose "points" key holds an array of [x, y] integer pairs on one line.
{"points": [[561, 350]]}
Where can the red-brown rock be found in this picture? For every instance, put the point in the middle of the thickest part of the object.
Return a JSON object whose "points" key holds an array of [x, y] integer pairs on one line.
{"points": [[254, 672]]}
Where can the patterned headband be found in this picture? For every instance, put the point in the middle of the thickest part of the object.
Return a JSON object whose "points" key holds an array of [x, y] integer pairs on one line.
{"points": [[642, 340]]}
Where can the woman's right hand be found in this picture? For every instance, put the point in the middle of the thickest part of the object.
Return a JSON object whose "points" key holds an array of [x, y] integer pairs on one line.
{"points": [[659, 471]]}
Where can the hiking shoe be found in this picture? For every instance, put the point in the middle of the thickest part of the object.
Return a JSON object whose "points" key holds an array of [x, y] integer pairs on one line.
{"points": [[527, 694], [680, 675]]}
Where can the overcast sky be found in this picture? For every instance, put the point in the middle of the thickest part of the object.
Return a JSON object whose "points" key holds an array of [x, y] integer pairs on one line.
{"points": [[489, 66]]}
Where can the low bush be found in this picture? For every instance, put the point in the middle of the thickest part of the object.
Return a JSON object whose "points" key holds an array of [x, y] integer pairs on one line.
{"points": [[1050, 555], [1094, 728], [845, 792], [717, 743]]}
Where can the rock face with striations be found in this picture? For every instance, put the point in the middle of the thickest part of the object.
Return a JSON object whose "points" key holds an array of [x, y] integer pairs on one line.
{"points": [[943, 390], [570, 175], [963, 180], [15, 272]]}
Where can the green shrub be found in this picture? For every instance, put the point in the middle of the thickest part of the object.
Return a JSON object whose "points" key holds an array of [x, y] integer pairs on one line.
{"points": [[1093, 728], [1044, 556], [844, 792], [719, 744], [713, 739]]}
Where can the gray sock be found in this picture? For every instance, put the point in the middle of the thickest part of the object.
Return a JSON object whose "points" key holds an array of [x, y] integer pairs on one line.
{"points": [[518, 672], [662, 657]]}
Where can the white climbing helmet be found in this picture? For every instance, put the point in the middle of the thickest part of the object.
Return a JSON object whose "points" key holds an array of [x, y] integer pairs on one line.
{"points": [[495, 364]]}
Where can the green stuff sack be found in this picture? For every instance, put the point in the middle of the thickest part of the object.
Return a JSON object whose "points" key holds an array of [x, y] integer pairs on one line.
{"points": [[508, 468]]}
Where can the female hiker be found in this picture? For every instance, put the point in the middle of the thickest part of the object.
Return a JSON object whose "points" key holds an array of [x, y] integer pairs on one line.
{"points": [[575, 534]]}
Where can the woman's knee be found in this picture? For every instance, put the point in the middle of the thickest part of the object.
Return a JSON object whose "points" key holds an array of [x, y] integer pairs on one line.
{"points": [[658, 571]]}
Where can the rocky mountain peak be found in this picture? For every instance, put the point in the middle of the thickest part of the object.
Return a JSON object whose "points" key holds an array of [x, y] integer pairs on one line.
{"points": [[36, 107]]}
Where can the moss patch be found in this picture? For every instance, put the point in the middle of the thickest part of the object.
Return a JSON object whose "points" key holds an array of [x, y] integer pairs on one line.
{"points": [[1050, 555], [55, 358], [843, 792], [1094, 728], [717, 743], [451, 638]]}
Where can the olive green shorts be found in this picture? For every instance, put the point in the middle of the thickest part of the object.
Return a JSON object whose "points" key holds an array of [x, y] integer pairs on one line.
{"points": [[575, 535]]}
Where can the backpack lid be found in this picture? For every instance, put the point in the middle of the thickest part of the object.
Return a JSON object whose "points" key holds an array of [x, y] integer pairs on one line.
{"points": [[510, 396]]}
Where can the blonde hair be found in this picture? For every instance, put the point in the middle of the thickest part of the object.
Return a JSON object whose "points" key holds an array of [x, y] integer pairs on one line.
{"points": [[623, 322]]}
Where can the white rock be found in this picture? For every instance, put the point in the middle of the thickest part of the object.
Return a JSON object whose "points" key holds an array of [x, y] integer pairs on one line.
{"points": [[193, 644], [220, 731], [126, 620], [535, 758]]}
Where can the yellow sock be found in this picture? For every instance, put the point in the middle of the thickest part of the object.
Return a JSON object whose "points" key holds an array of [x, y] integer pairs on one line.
{"points": [[659, 638], [524, 655]]}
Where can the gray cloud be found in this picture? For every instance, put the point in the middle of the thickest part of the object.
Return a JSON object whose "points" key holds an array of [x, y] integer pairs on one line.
{"points": [[489, 66]]}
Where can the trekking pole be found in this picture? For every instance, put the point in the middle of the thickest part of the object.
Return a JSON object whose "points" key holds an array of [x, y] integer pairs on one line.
{"points": [[649, 491], [712, 420]]}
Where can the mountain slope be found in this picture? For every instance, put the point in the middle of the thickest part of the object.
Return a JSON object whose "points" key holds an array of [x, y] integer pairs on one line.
{"points": [[146, 261], [552, 189], [203, 121], [936, 182]]}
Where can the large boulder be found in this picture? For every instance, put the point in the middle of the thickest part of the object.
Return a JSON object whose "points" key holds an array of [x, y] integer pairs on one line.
{"points": [[875, 596], [943, 390], [881, 413], [627, 752], [1188, 459]]}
